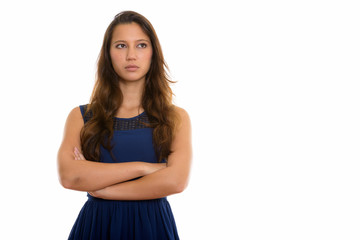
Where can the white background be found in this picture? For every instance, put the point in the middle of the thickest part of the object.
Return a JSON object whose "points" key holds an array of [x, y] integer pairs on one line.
{"points": [[272, 88]]}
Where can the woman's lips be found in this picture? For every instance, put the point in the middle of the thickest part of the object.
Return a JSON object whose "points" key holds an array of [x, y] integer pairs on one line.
{"points": [[131, 68]]}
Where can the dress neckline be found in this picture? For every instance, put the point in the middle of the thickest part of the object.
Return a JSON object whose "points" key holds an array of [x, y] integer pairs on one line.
{"points": [[131, 117]]}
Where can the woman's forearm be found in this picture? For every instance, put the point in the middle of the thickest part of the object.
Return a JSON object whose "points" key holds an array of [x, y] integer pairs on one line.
{"points": [[89, 176], [156, 185], [85, 175]]}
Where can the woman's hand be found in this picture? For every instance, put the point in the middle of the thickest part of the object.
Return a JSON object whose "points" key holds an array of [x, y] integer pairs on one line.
{"points": [[78, 154], [99, 193]]}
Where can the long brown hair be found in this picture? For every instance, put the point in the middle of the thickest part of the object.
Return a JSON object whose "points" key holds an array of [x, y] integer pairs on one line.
{"points": [[107, 97]]}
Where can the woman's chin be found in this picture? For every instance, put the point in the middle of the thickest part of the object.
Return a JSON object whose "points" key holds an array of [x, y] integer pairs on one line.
{"points": [[132, 79]]}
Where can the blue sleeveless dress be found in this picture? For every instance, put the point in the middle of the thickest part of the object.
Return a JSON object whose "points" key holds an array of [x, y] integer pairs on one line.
{"points": [[101, 219]]}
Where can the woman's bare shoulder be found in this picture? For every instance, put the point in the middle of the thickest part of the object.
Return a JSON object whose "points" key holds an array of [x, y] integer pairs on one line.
{"points": [[183, 116], [181, 111], [74, 119], [75, 113]]}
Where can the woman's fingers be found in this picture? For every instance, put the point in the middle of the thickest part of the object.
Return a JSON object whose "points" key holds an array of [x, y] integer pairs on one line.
{"points": [[94, 194], [81, 156], [78, 154], [76, 150]]}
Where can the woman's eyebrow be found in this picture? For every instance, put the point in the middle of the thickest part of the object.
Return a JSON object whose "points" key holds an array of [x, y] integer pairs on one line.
{"points": [[124, 41]]}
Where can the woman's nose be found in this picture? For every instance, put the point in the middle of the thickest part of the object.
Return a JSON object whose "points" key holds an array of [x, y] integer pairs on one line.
{"points": [[131, 54]]}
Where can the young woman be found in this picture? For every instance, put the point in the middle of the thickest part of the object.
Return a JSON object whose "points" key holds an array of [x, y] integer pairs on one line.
{"points": [[130, 147]]}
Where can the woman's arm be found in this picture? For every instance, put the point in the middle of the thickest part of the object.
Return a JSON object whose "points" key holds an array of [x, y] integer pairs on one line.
{"points": [[170, 180], [87, 175]]}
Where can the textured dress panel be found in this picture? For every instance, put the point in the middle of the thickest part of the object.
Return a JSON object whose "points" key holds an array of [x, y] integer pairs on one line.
{"points": [[126, 220]]}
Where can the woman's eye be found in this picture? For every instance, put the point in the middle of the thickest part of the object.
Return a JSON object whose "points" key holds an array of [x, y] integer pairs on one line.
{"points": [[142, 45], [121, 45]]}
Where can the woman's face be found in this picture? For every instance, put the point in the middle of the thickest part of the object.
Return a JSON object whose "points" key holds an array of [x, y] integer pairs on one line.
{"points": [[130, 52]]}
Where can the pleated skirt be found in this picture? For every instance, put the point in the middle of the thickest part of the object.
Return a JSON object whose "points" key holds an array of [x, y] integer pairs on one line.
{"points": [[101, 219]]}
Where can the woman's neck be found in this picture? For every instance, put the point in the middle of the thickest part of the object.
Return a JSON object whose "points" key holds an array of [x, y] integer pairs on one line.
{"points": [[132, 94]]}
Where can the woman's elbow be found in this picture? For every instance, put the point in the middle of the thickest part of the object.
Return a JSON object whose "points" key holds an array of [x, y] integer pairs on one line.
{"points": [[180, 185], [179, 188], [67, 182], [67, 179]]}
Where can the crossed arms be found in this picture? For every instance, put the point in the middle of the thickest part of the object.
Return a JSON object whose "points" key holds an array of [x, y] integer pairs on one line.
{"points": [[108, 180]]}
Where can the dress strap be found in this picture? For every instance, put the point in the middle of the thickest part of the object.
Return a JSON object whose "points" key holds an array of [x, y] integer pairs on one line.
{"points": [[83, 111]]}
